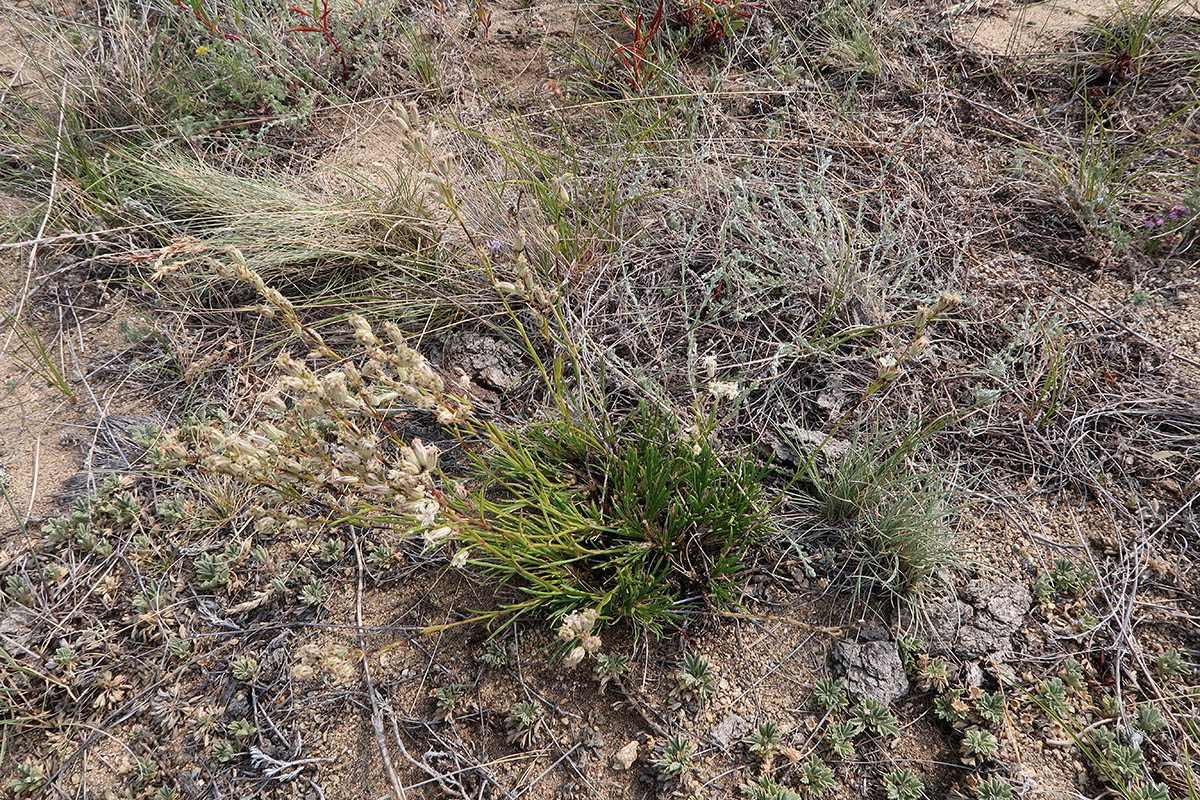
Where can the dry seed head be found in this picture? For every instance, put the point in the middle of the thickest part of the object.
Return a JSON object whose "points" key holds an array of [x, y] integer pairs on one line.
{"points": [[889, 369], [559, 184], [724, 390], [412, 114], [362, 332], [426, 457]]}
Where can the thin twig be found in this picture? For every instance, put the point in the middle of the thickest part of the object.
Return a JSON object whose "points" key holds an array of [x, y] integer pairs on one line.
{"points": [[376, 714]]}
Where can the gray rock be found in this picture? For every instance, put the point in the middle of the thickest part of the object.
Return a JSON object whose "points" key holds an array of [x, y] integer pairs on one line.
{"points": [[973, 674], [730, 730], [872, 669], [17, 628], [980, 622]]}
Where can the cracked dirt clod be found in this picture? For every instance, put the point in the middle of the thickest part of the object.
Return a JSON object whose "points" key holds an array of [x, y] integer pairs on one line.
{"points": [[872, 669], [730, 730], [17, 628], [980, 622], [623, 759], [493, 363]]}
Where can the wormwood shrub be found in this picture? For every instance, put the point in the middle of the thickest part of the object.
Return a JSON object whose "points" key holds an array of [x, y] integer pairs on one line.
{"points": [[637, 521]]}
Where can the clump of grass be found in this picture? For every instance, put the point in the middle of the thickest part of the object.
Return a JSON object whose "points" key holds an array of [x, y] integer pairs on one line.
{"points": [[224, 73], [895, 520], [635, 521]]}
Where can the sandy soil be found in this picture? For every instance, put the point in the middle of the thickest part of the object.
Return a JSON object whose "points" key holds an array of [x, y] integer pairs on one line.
{"points": [[1013, 28]]}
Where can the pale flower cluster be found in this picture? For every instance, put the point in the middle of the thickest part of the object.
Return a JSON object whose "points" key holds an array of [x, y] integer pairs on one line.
{"points": [[330, 440], [579, 627], [724, 390], [720, 390]]}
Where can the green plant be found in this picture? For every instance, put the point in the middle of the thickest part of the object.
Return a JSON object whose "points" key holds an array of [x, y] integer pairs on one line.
{"points": [[932, 674], [990, 707], [244, 668], [816, 778], [902, 784], [764, 788], [979, 744], [1149, 718], [17, 589], [521, 723], [674, 759], [1171, 663], [332, 549], [143, 769], [1126, 762], [314, 593], [764, 740], [494, 656], [446, 699], [840, 737], [65, 658], [1152, 790], [179, 648], [1052, 696], [993, 789], [629, 521], [1068, 578], [381, 556], [1043, 588], [223, 751], [910, 647], [240, 729], [829, 693], [951, 707], [877, 718], [1100, 739], [213, 571], [695, 678], [29, 778], [1072, 674], [609, 666]]}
